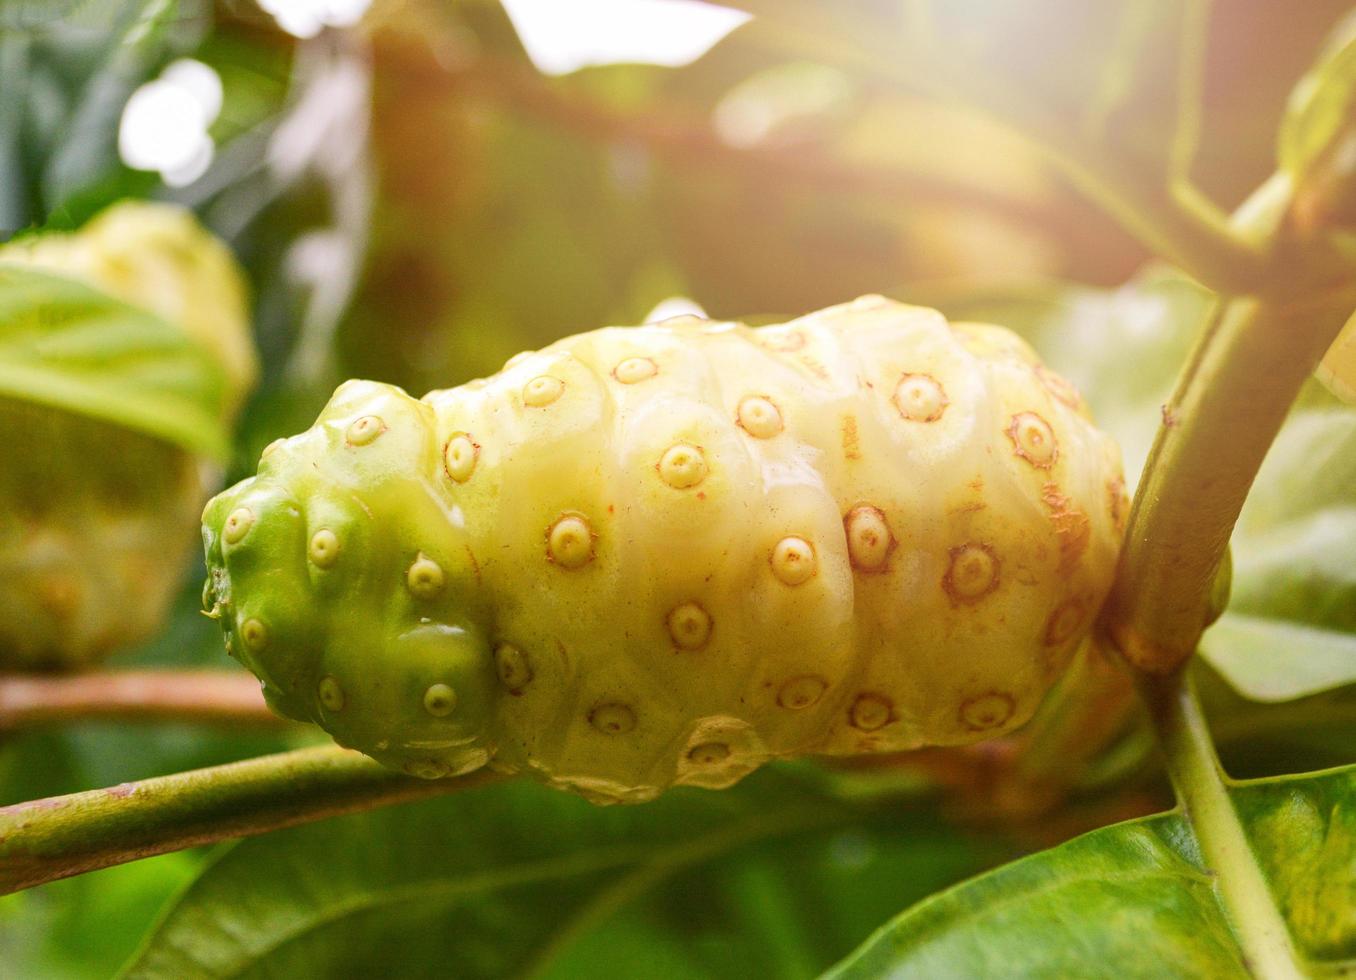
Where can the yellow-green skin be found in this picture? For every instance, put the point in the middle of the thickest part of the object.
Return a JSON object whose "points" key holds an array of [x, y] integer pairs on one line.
{"points": [[607, 567], [98, 519]]}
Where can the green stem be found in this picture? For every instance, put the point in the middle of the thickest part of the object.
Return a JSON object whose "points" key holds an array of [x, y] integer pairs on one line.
{"points": [[1235, 392], [1202, 789], [55, 838]]}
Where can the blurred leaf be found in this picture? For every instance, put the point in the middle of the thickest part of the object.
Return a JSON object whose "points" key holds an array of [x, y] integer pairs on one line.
{"points": [[67, 345], [1321, 106], [89, 137], [80, 928], [1291, 626], [1136, 900], [773, 877]]}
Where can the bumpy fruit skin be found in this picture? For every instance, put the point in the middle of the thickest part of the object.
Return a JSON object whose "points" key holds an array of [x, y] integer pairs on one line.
{"points": [[666, 554], [98, 519]]}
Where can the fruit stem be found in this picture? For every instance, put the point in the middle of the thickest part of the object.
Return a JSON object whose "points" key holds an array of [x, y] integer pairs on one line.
{"points": [[210, 696], [44, 840], [1233, 396], [1202, 791]]}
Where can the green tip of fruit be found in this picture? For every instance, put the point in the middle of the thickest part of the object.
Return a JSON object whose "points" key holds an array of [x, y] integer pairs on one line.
{"points": [[338, 581]]}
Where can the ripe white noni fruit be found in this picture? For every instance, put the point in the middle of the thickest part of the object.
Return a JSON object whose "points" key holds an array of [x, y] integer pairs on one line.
{"points": [[666, 554]]}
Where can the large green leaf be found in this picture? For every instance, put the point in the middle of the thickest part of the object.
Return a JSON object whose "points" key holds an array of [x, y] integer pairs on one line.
{"points": [[777, 877], [1136, 900], [72, 347]]}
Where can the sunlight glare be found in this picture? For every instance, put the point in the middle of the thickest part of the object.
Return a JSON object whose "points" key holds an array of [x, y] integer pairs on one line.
{"points": [[307, 18], [164, 123], [667, 309], [564, 37]]}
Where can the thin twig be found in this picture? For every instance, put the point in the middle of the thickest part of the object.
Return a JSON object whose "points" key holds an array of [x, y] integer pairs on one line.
{"points": [[61, 836], [213, 696], [1202, 788]]}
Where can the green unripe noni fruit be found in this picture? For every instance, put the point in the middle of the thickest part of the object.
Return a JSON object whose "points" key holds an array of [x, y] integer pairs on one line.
{"points": [[666, 554], [98, 517]]}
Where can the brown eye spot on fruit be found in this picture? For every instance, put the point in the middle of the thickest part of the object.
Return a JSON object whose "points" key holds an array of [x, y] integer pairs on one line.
{"points": [[255, 634], [612, 718], [709, 753], [1065, 622], [460, 453], [793, 561], [682, 466], [634, 370], [1033, 440], [869, 539], [569, 541], [987, 711], [759, 417], [365, 430], [331, 694], [920, 398], [870, 712], [972, 573], [513, 667], [800, 693], [689, 626], [542, 391], [439, 700]]}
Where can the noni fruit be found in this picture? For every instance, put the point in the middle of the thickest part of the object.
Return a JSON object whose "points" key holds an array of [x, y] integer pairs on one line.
{"points": [[99, 518], [666, 554]]}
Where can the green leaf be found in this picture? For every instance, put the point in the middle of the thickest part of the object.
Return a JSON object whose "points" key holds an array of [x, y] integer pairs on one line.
{"points": [[777, 876], [1135, 899], [72, 347], [1291, 626]]}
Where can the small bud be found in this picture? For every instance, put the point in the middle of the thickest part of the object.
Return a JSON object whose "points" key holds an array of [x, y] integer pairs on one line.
{"points": [[870, 712], [331, 694], [972, 574], [800, 693], [869, 539], [987, 711]]}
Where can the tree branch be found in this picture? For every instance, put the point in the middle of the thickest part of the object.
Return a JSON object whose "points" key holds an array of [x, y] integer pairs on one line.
{"points": [[213, 696], [61, 836]]}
